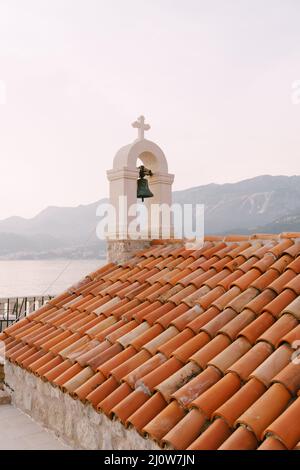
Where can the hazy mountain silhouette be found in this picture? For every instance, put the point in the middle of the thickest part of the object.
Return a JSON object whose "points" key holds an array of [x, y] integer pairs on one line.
{"points": [[261, 204]]}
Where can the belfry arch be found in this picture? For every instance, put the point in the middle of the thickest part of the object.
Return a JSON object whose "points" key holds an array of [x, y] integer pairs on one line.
{"points": [[124, 175]]}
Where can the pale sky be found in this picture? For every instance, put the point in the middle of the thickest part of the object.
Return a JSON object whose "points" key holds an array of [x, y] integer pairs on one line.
{"points": [[213, 78]]}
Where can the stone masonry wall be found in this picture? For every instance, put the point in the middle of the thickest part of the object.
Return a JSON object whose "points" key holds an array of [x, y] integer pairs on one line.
{"points": [[79, 425], [119, 251]]}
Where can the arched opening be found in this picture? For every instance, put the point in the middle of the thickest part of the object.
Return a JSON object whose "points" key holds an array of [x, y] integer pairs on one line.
{"points": [[149, 160], [146, 151]]}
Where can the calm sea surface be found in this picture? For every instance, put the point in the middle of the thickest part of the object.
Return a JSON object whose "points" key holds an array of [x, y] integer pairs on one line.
{"points": [[25, 278]]}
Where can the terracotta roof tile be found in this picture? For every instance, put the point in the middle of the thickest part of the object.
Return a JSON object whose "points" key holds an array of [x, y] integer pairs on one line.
{"points": [[291, 337], [146, 336], [201, 318], [87, 387], [214, 325], [153, 345], [102, 391], [286, 427], [17, 351], [57, 370], [289, 377], [280, 284], [25, 363], [191, 346], [41, 371], [224, 299], [181, 344], [103, 356], [113, 399], [275, 333], [206, 300], [197, 253], [268, 407], [276, 306], [246, 280], [245, 365], [210, 350], [129, 365], [293, 250], [196, 295], [252, 331], [185, 431], [189, 314], [164, 421], [257, 304], [158, 375], [147, 412], [190, 277], [156, 312], [273, 365], [217, 394], [236, 405], [132, 402], [230, 355], [43, 360], [265, 262], [213, 437], [67, 375], [293, 308], [174, 343], [295, 265], [241, 439], [271, 443], [179, 296], [281, 264], [237, 324], [104, 325], [78, 380], [139, 330], [189, 392], [177, 379], [243, 299], [127, 311], [94, 348], [278, 249], [247, 265]]}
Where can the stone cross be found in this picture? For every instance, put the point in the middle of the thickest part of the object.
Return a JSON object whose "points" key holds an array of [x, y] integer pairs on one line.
{"points": [[141, 126]]}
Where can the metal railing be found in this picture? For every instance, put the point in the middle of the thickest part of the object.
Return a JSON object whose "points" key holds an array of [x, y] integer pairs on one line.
{"points": [[14, 308]]}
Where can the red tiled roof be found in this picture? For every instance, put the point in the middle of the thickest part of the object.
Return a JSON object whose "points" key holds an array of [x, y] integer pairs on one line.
{"points": [[192, 348]]}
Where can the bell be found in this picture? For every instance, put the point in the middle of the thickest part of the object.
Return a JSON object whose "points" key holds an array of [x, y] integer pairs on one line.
{"points": [[143, 190]]}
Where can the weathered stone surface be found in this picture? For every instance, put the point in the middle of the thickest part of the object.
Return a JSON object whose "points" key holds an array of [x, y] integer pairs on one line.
{"points": [[5, 398], [78, 425], [119, 251], [1, 373]]}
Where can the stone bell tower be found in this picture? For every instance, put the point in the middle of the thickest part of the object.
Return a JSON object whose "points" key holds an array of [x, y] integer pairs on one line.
{"points": [[123, 194]]}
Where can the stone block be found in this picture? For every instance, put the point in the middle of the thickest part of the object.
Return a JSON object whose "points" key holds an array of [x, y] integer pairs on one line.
{"points": [[5, 398], [1, 373]]}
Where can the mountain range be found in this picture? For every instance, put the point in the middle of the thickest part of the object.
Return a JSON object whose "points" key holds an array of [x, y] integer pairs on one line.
{"points": [[266, 204]]}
